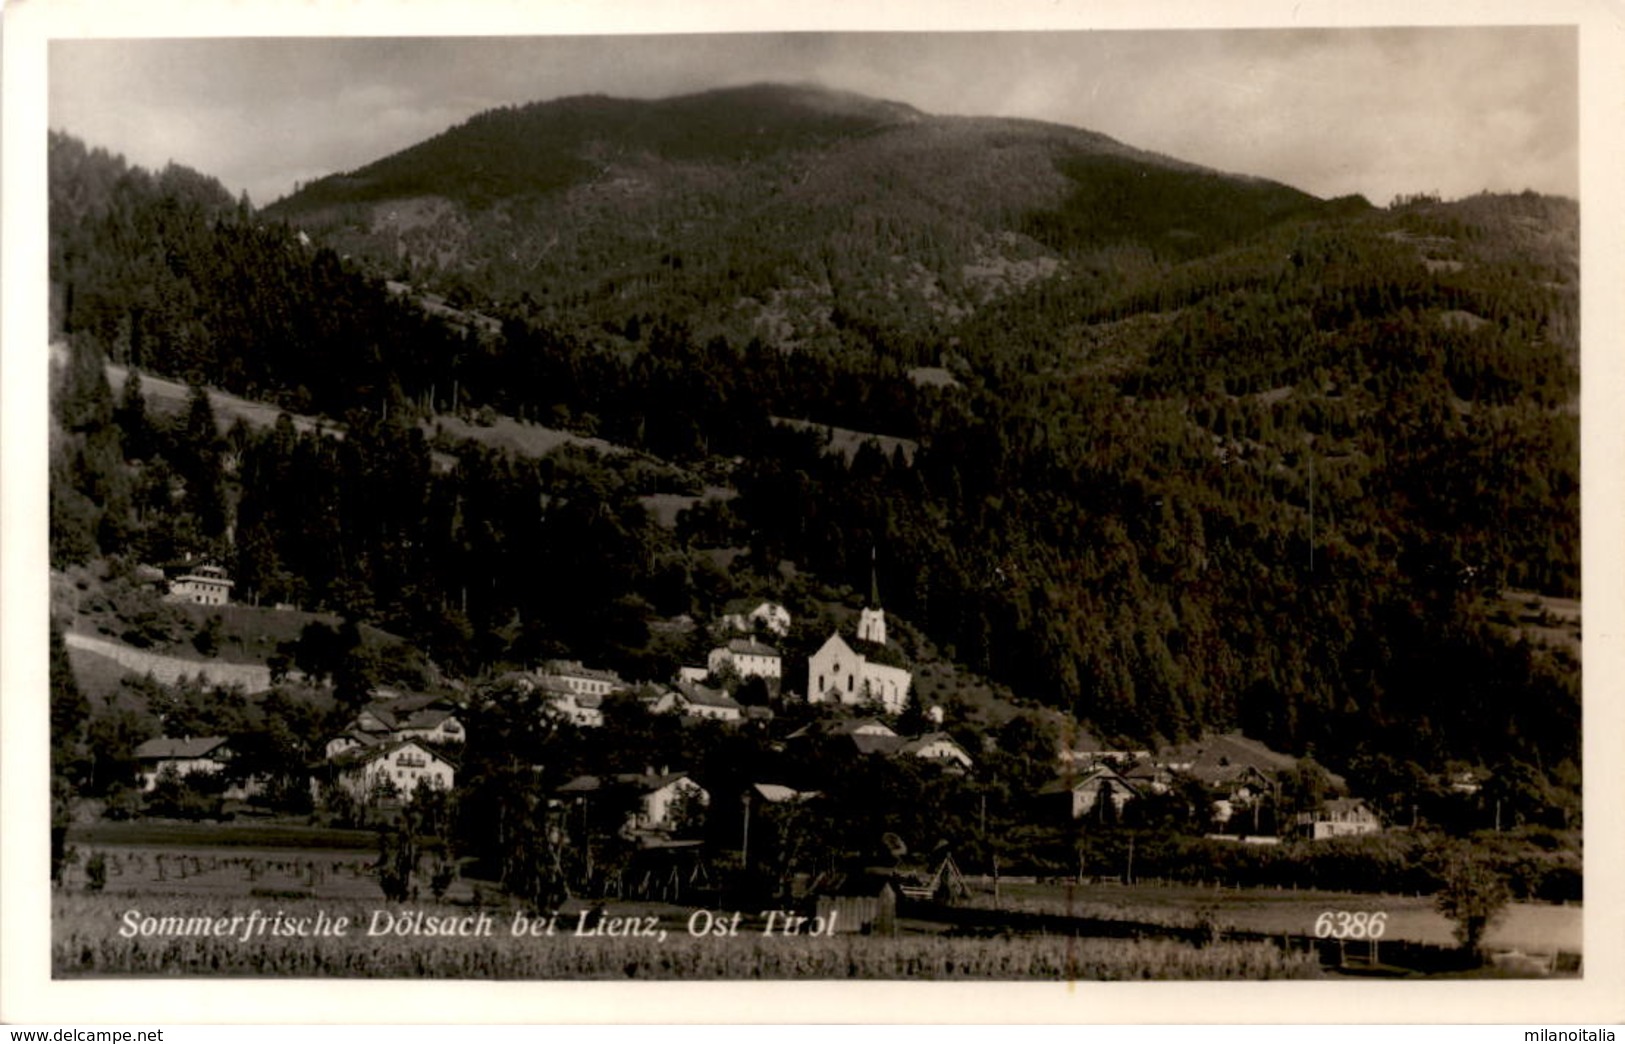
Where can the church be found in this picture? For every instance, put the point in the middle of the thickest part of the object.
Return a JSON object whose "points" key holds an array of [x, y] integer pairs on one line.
{"points": [[839, 673]]}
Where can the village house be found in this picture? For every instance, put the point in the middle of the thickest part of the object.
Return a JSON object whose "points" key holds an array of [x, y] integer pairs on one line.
{"points": [[567, 701], [1099, 793], [397, 767], [1339, 817], [938, 747], [863, 735], [582, 680], [209, 754], [199, 584], [870, 736], [696, 701], [390, 717], [746, 618], [748, 657], [667, 802]]}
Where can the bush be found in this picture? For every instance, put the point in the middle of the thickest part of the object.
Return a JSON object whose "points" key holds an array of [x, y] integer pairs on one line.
{"points": [[96, 873], [1472, 894]]}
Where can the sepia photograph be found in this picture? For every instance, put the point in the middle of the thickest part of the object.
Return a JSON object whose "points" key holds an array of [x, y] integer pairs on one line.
{"points": [[1004, 504]]}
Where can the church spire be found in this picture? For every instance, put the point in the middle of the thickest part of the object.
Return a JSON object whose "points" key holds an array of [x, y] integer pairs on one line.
{"points": [[872, 619]]}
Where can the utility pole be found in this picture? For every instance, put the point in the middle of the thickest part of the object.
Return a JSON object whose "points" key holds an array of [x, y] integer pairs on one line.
{"points": [[744, 841], [1128, 874]]}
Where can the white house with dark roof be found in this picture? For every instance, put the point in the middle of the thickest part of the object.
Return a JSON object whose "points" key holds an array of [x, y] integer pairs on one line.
{"points": [[582, 680], [1339, 817], [185, 756], [666, 801], [424, 717], [697, 701], [748, 657], [563, 700], [938, 747], [1098, 792], [201, 584], [401, 764], [746, 618]]}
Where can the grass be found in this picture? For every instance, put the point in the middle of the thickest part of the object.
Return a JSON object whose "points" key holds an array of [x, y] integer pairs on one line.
{"points": [[1541, 618], [1531, 927], [206, 836], [847, 441], [526, 440], [96, 675]]}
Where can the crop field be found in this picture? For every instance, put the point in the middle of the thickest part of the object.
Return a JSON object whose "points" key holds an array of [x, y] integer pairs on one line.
{"points": [[294, 838], [1529, 927], [87, 941]]}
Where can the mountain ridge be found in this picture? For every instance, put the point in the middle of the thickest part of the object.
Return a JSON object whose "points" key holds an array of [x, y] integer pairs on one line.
{"points": [[784, 213]]}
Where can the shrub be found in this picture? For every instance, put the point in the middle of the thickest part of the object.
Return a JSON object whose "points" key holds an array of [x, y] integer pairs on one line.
{"points": [[96, 873]]}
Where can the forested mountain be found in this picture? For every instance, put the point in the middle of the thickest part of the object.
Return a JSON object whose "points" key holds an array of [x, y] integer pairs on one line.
{"points": [[796, 215], [1200, 451]]}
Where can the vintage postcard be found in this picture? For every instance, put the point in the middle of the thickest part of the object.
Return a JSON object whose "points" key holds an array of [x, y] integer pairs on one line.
{"points": [[779, 515]]}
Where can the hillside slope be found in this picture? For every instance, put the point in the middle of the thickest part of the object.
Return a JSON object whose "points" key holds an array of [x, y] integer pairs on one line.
{"points": [[792, 214]]}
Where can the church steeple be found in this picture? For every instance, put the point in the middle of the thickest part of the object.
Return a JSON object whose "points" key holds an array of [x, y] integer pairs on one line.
{"points": [[872, 620]]}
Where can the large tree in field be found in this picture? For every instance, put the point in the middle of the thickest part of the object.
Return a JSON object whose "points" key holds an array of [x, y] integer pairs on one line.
{"points": [[1473, 895]]}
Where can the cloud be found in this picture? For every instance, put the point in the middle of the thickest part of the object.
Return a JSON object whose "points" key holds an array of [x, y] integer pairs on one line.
{"points": [[1375, 111]]}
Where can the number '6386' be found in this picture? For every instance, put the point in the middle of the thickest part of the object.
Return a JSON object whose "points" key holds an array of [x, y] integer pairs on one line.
{"points": [[1343, 924]]}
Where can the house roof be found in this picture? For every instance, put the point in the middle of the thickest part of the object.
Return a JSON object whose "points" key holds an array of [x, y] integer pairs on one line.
{"points": [[576, 669], [355, 758], [427, 718], [1219, 758], [778, 794], [843, 727], [835, 882], [643, 782], [701, 696], [925, 740], [1069, 783], [186, 747], [750, 647], [870, 744], [419, 711]]}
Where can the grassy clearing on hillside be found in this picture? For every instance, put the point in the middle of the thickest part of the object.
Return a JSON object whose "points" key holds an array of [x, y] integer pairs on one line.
{"points": [[96, 675], [847, 442], [167, 397], [1541, 618], [506, 433]]}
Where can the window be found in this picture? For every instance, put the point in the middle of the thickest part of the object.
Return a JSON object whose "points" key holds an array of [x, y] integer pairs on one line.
{"points": [[848, 683], [820, 683]]}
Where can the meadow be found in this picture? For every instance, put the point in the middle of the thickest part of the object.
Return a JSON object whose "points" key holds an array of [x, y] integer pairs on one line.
{"points": [[1528, 927], [87, 942]]}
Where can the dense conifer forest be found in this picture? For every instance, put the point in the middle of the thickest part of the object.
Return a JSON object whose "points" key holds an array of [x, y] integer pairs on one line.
{"points": [[1199, 451]]}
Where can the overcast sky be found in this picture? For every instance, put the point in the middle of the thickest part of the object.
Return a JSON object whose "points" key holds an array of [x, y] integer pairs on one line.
{"points": [[1370, 111]]}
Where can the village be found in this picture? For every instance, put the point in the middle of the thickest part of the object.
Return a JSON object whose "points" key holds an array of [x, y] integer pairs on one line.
{"points": [[855, 705]]}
